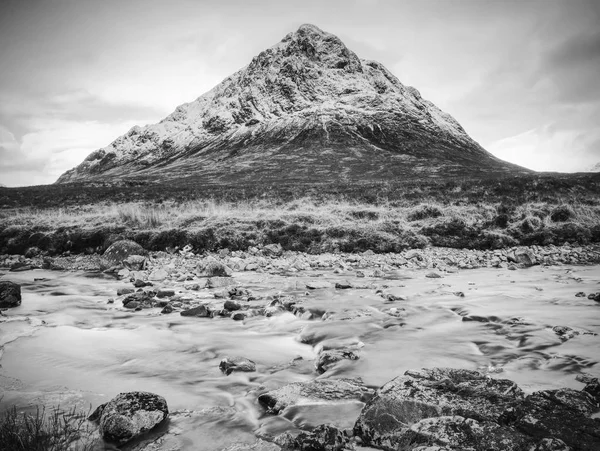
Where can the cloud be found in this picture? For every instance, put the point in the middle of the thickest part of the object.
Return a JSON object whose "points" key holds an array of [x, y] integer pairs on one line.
{"points": [[44, 154], [550, 148]]}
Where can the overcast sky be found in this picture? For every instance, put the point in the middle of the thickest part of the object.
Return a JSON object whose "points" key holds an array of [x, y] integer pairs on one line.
{"points": [[522, 77]]}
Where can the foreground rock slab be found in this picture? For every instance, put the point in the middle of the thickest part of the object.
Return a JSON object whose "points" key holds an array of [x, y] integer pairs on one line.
{"points": [[129, 415], [457, 409], [10, 294]]}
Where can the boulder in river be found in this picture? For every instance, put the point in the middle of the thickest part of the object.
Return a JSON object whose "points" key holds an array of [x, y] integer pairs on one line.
{"points": [[199, 312], [10, 294], [327, 359], [129, 415], [462, 409], [230, 364], [314, 392], [122, 250], [406, 400]]}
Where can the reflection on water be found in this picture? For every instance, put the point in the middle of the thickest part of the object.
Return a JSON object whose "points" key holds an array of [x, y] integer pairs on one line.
{"points": [[66, 345]]}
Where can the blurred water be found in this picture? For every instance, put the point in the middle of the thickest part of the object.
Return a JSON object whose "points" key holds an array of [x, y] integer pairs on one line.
{"points": [[65, 345]]}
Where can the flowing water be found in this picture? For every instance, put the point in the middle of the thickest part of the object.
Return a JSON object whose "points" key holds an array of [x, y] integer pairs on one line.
{"points": [[65, 345]]}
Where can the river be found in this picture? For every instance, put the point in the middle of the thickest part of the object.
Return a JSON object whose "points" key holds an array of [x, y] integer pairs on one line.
{"points": [[66, 345]]}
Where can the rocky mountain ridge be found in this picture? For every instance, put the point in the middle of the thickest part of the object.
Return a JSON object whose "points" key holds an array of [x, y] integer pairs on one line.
{"points": [[306, 109]]}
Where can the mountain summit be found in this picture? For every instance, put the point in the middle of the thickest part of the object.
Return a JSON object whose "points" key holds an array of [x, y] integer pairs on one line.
{"points": [[305, 110]]}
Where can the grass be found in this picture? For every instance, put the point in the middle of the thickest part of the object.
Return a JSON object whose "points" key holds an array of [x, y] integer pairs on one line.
{"points": [[385, 217], [304, 224], [56, 430]]}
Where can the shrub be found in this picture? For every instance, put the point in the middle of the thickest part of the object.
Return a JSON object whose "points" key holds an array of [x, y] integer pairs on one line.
{"points": [[501, 220], [562, 213], [43, 431], [531, 224], [424, 212]]}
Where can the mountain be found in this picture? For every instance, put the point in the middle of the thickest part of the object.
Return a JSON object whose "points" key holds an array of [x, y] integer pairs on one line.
{"points": [[305, 110]]}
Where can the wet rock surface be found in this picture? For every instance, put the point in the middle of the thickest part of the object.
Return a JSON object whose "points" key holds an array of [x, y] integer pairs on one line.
{"points": [[463, 409], [231, 364], [129, 415], [10, 294]]}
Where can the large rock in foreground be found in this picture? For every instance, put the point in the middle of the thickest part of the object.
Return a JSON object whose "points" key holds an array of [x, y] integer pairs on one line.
{"points": [[10, 294], [456, 409], [129, 415]]}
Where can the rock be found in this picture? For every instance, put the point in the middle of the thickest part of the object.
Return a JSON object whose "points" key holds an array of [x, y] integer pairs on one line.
{"points": [[22, 266], [230, 364], [317, 284], [460, 294], [135, 262], [167, 309], [328, 359], [564, 414], [232, 305], [324, 437], [586, 378], [121, 250], [360, 274], [525, 257], [551, 444], [239, 316], [32, 252], [565, 333], [343, 285], [593, 388], [138, 283], [580, 294], [433, 275], [125, 290], [140, 298], [314, 392], [213, 268], [594, 297], [459, 433], [427, 393], [158, 275], [10, 294], [272, 250], [413, 253], [393, 297], [199, 312], [165, 293], [129, 415]]}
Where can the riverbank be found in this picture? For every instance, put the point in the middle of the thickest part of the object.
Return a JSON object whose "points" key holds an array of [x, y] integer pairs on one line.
{"points": [[273, 258]]}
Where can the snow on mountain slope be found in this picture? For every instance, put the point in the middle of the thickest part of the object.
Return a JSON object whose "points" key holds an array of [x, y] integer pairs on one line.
{"points": [[307, 105]]}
